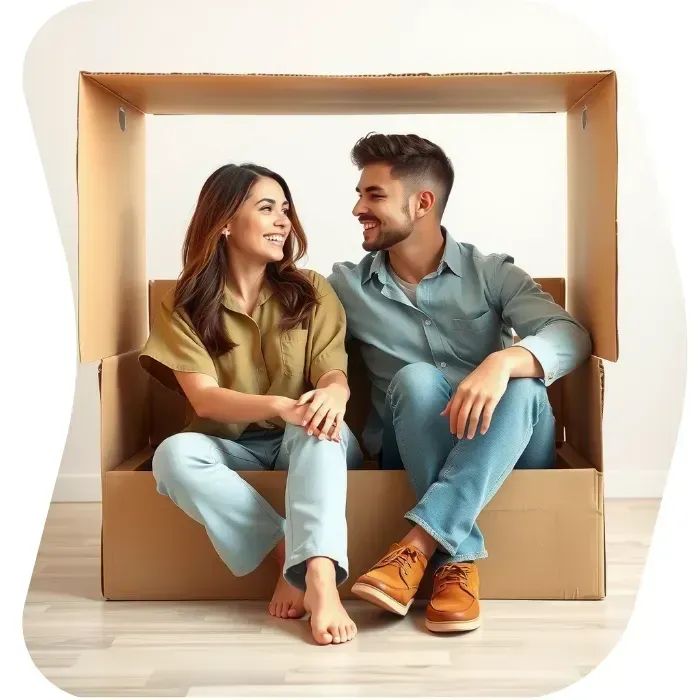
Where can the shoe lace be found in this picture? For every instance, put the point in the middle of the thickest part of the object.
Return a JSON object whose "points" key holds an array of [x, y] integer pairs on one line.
{"points": [[454, 573], [403, 558]]}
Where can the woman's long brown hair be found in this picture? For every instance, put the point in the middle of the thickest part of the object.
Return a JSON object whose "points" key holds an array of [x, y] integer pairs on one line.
{"points": [[201, 285]]}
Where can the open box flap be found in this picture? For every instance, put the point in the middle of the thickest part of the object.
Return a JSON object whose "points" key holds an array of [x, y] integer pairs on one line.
{"points": [[112, 229], [592, 207]]}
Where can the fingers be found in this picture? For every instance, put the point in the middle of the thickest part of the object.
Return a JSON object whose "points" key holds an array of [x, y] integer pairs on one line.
{"points": [[335, 434], [320, 414], [314, 406], [327, 425], [487, 415], [463, 416], [474, 416], [305, 398], [446, 410]]}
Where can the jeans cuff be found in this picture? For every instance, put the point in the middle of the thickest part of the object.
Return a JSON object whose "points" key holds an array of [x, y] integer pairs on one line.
{"points": [[438, 538], [295, 567]]}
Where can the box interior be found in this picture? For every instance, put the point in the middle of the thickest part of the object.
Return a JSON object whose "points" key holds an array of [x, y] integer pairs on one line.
{"points": [[533, 514]]}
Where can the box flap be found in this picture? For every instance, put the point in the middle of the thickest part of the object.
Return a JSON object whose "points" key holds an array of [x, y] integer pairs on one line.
{"points": [[124, 412], [111, 223], [592, 207], [170, 412], [583, 411], [207, 93]]}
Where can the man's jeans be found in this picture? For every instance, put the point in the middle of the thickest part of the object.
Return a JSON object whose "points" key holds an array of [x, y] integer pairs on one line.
{"points": [[454, 479]]}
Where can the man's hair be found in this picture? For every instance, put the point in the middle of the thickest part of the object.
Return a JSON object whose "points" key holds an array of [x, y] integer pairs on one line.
{"points": [[410, 157]]}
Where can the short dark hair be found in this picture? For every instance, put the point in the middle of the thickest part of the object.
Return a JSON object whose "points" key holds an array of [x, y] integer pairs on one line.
{"points": [[410, 157]]}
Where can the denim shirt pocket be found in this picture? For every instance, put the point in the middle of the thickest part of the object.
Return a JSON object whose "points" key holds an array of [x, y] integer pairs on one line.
{"points": [[474, 338]]}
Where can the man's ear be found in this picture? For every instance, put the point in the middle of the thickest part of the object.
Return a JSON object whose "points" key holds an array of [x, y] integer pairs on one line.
{"points": [[426, 203]]}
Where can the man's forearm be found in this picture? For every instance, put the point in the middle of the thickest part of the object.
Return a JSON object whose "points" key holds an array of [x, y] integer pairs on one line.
{"points": [[520, 362]]}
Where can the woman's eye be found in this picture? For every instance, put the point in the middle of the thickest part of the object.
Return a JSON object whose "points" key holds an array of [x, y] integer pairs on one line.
{"points": [[286, 212], [266, 209]]}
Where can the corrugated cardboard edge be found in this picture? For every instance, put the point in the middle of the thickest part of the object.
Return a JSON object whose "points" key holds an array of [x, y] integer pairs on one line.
{"points": [[602, 72]]}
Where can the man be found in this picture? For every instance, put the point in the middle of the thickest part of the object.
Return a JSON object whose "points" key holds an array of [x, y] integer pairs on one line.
{"points": [[454, 399]]}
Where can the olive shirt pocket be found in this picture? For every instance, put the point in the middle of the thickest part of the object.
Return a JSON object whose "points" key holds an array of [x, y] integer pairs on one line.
{"points": [[293, 351]]}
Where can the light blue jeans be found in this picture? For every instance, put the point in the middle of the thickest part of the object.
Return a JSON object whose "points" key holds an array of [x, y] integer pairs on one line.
{"points": [[454, 479], [198, 472]]}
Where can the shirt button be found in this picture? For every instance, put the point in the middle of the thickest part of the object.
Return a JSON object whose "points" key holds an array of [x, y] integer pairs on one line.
{"points": [[443, 364], [550, 376], [428, 323]]}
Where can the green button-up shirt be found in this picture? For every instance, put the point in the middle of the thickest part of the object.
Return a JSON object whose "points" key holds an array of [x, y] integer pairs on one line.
{"points": [[465, 310]]}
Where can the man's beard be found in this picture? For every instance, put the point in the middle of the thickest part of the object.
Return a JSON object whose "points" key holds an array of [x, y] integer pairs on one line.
{"points": [[386, 239]]}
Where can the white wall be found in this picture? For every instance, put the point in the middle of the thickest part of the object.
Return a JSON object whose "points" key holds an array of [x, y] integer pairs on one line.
{"points": [[494, 164]]}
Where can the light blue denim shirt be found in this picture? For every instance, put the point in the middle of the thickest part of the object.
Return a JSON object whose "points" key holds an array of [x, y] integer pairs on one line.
{"points": [[465, 310]]}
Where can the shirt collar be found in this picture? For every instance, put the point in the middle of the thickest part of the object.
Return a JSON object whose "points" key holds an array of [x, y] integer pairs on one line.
{"points": [[451, 257], [230, 302]]}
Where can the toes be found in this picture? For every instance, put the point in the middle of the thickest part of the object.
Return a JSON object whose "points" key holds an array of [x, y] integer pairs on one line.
{"points": [[321, 635], [350, 631], [278, 610], [335, 633], [285, 609]]}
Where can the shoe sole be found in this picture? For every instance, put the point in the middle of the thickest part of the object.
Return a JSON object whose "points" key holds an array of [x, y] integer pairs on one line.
{"points": [[376, 597], [454, 626]]}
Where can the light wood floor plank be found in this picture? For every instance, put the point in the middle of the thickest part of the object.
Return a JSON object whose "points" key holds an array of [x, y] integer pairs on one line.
{"points": [[89, 647]]}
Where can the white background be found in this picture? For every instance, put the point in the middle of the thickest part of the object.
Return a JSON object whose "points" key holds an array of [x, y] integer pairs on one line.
{"points": [[653, 62], [509, 194]]}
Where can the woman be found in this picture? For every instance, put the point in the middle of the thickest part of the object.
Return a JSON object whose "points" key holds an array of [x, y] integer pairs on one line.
{"points": [[258, 348]]}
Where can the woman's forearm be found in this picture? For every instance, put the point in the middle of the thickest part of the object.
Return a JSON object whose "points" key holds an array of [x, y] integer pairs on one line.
{"points": [[335, 379], [227, 406]]}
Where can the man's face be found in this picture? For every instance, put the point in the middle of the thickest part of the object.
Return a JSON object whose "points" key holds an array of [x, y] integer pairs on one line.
{"points": [[385, 210]]}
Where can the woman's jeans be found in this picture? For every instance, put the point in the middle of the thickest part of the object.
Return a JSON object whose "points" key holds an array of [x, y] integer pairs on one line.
{"points": [[454, 479], [198, 472]]}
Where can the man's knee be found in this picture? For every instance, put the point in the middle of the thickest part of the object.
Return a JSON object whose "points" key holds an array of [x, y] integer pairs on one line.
{"points": [[419, 382], [525, 391]]}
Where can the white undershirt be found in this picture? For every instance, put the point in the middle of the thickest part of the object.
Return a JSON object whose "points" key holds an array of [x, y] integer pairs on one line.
{"points": [[409, 288]]}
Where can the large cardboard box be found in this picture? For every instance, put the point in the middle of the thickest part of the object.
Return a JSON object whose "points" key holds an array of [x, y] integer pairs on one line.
{"points": [[544, 529]]}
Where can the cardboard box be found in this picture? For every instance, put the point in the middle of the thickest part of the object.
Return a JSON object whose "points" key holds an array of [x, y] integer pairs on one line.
{"points": [[544, 529]]}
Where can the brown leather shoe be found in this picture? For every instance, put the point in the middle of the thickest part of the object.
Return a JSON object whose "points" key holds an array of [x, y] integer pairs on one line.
{"points": [[454, 605], [392, 583]]}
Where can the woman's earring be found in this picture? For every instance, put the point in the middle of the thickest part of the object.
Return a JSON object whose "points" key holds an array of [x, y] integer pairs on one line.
{"points": [[226, 232]]}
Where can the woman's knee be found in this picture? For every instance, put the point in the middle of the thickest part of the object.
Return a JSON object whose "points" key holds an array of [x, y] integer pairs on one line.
{"points": [[176, 456]]}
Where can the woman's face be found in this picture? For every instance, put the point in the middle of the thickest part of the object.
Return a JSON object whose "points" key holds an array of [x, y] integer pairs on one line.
{"points": [[261, 227]]}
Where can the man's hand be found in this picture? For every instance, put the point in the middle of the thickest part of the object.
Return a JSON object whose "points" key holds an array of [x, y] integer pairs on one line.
{"points": [[324, 410], [478, 395]]}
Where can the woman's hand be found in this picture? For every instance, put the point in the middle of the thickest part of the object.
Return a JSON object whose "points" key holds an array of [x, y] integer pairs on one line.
{"points": [[324, 410], [291, 412]]}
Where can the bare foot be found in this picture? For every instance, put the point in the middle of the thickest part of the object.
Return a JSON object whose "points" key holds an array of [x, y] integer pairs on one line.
{"points": [[287, 601], [329, 621]]}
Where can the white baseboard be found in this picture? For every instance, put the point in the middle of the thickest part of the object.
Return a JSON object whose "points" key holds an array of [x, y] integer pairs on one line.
{"points": [[635, 483], [80, 488]]}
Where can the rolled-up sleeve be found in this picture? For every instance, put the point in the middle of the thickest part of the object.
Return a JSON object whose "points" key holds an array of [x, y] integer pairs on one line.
{"points": [[173, 345], [550, 333], [327, 330]]}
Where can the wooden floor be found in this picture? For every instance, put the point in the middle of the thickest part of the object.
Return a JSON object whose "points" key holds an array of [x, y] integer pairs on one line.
{"points": [[89, 647]]}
